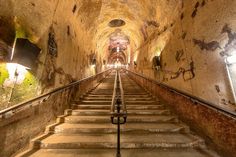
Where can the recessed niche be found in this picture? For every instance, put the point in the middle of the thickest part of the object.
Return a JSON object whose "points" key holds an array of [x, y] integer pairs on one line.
{"points": [[116, 23]]}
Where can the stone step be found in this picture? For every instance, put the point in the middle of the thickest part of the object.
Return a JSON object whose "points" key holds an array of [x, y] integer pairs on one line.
{"points": [[110, 95], [103, 90], [174, 140], [134, 95], [190, 152], [93, 102], [109, 98], [133, 112], [109, 102], [130, 119], [133, 128], [140, 102], [129, 107], [98, 95], [125, 92]]}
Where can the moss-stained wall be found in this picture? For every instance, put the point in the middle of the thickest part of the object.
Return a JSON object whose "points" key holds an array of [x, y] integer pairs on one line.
{"points": [[193, 50], [15, 89], [35, 20]]}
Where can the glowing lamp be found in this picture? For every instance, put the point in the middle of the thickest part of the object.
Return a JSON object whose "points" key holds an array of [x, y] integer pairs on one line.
{"points": [[118, 49], [231, 59]]}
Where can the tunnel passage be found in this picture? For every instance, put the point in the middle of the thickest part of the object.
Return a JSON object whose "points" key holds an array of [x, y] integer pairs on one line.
{"points": [[174, 43], [87, 130]]}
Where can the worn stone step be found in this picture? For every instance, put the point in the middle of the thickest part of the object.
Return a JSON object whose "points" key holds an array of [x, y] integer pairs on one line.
{"points": [[102, 90], [110, 95], [110, 98], [105, 102], [136, 96], [134, 93], [133, 128], [130, 119], [133, 112], [190, 152], [99, 96], [125, 92], [138, 99], [129, 107], [140, 102], [93, 102], [176, 140]]}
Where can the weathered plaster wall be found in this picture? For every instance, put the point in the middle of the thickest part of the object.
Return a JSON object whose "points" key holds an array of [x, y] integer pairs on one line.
{"points": [[193, 48], [17, 129], [72, 41], [216, 127]]}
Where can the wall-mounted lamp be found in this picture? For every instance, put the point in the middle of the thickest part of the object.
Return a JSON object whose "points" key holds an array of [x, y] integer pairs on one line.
{"points": [[93, 63], [118, 49], [156, 62], [231, 59], [104, 62], [135, 64]]}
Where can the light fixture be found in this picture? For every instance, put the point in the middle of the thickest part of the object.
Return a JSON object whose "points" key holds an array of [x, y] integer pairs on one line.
{"points": [[156, 62], [118, 49], [231, 59], [16, 71], [93, 63]]}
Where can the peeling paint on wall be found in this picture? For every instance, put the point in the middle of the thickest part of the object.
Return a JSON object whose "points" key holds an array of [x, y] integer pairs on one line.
{"points": [[178, 55], [231, 44], [209, 46]]}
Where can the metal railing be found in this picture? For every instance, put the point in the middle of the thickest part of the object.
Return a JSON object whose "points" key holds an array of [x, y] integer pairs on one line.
{"points": [[118, 108], [81, 86], [149, 83]]}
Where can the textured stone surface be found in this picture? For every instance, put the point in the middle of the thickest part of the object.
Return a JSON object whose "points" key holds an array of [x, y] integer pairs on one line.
{"points": [[192, 44], [204, 34], [216, 127]]}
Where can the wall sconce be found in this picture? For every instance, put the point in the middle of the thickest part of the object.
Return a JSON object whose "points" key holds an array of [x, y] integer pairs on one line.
{"points": [[104, 62], [135, 64], [156, 62], [93, 62], [25, 53]]}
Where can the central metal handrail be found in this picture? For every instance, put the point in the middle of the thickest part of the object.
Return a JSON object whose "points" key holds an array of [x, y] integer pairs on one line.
{"points": [[122, 95], [118, 108], [118, 93], [114, 95]]}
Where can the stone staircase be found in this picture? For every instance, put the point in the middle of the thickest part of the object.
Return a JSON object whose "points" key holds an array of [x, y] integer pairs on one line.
{"points": [[151, 129]]}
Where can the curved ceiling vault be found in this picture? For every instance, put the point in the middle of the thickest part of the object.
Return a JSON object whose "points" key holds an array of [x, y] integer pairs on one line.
{"points": [[119, 23]]}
